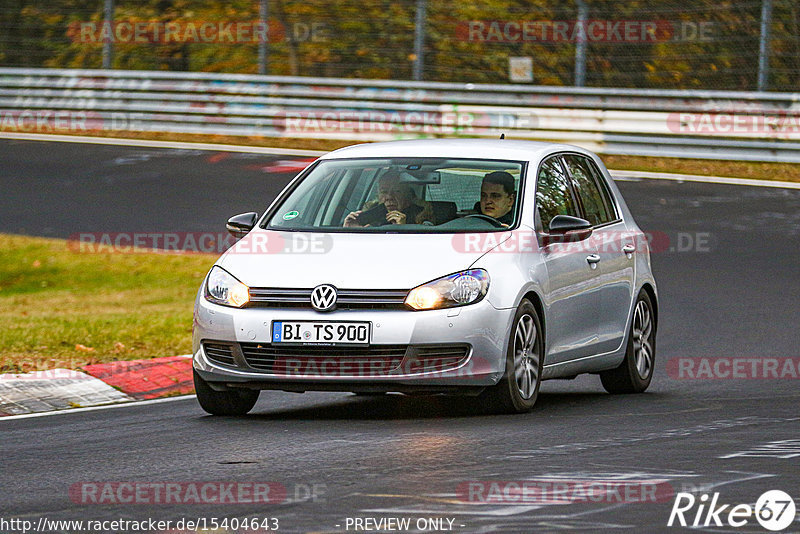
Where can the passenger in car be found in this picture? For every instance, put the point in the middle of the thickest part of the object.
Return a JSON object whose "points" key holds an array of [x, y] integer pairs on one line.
{"points": [[402, 205], [497, 196]]}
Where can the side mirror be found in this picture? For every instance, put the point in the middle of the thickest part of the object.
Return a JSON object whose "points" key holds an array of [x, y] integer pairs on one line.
{"points": [[239, 225], [565, 228]]}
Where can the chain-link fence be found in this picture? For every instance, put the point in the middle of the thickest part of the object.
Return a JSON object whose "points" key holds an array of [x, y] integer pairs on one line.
{"points": [[702, 44]]}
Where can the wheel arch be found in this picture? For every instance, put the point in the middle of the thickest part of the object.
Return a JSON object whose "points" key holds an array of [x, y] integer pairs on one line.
{"points": [[536, 300], [651, 292]]}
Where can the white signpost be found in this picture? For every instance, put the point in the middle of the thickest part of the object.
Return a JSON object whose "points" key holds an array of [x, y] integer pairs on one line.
{"points": [[520, 69]]}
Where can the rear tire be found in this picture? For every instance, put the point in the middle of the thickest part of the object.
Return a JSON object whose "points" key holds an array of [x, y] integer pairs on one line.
{"points": [[636, 371], [233, 402], [518, 390]]}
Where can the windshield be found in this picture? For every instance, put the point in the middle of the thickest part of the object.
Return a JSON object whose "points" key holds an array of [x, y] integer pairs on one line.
{"points": [[422, 195]]}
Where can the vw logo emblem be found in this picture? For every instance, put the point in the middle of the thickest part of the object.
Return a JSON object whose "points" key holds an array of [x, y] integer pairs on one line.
{"points": [[323, 297]]}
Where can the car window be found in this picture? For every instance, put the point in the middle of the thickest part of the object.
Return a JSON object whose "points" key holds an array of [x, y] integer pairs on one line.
{"points": [[597, 208], [401, 194], [553, 195], [456, 187], [361, 189], [611, 206]]}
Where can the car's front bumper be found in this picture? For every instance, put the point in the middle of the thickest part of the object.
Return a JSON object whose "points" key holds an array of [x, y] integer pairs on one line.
{"points": [[481, 327]]}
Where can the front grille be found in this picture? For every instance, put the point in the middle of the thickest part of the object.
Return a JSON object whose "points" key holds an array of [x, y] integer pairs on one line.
{"points": [[264, 297], [429, 358], [375, 360], [310, 360], [219, 353]]}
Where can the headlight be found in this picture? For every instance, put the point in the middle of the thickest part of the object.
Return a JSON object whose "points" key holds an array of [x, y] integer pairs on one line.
{"points": [[223, 288], [457, 289]]}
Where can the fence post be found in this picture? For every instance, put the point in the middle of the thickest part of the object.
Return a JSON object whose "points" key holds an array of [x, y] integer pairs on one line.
{"points": [[263, 16], [580, 46], [419, 39], [763, 46], [108, 44]]}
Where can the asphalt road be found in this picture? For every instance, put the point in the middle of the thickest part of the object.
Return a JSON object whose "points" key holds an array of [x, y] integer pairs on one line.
{"points": [[733, 293]]}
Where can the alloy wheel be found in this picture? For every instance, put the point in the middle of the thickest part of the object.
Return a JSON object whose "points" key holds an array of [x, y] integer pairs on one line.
{"points": [[526, 356], [642, 342]]}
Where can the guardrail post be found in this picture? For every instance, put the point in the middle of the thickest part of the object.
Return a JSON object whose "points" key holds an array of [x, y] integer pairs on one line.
{"points": [[419, 39], [263, 15], [108, 45], [763, 46], [580, 46]]}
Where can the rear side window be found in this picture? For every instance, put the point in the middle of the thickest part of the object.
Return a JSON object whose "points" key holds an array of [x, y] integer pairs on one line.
{"points": [[553, 196], [594, 197], [455, 187]]}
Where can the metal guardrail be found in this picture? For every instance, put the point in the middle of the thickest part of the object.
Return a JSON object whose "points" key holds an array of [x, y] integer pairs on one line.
{"points": [[695, 124]]}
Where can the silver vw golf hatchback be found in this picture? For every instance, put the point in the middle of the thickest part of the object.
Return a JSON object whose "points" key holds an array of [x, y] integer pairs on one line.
{"points": [[470, 267]]}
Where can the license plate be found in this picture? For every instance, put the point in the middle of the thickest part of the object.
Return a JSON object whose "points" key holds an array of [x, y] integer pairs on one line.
{"points": [[323, 333]]}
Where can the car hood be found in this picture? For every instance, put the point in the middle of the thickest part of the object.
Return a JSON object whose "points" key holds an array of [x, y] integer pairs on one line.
{"points": [[266, 258]]}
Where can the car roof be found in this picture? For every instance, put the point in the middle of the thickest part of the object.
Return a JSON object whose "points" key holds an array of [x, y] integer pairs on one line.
{"points": [[503, 149]]}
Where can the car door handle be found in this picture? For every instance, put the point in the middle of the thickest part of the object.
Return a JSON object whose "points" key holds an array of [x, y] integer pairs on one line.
{"points": [[629, 249], [593, 258]]}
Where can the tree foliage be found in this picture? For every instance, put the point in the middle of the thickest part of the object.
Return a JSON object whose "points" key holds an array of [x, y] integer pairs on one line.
{"points": [[375, 39]]}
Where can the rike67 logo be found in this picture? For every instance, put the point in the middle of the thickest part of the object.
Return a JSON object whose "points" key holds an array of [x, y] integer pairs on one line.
{"points": [[774, 510]]}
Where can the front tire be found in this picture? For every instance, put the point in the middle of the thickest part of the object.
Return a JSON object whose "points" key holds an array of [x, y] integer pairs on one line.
{"points": [[518, 390], [233, 402], [636, 371]]}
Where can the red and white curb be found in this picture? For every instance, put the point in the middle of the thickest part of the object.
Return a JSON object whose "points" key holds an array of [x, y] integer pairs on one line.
{"points": [[95, 385]]}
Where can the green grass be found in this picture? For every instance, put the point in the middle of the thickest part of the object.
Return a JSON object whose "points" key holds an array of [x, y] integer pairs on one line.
{"points": [[786, 172], [61, 308]]}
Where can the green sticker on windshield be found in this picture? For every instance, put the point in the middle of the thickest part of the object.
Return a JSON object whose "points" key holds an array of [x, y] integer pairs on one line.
{"points": [[290, 215]]}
